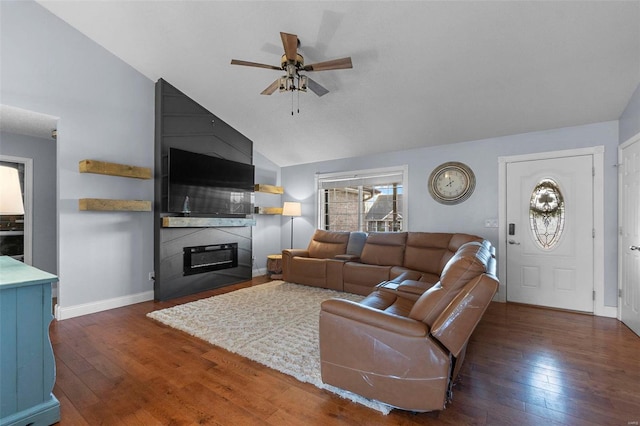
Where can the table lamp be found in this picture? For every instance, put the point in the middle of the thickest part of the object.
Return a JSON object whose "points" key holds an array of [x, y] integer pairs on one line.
{"points": [[10, 192]]}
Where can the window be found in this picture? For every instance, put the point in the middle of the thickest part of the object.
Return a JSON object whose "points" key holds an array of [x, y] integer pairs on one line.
{"points": [[367, 200], [546, 213]]}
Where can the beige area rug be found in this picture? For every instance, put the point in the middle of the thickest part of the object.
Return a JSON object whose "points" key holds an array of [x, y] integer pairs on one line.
{"points": [[275, 324]]}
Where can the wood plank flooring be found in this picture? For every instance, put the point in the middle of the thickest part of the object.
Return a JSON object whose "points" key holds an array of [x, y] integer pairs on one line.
{"points": [[524, 365]]}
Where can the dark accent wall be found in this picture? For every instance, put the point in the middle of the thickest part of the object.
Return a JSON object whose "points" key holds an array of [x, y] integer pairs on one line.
{"points": [[183, 123]]}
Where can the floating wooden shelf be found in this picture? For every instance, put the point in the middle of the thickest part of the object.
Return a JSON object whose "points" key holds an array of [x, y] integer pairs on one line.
{"points": [[205, 222], [267, 210], [114, 169], [271, 189], [101, 204]]}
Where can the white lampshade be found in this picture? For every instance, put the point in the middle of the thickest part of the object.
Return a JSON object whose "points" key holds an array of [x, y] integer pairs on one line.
{"points": [[291, 209], [10, 192]]}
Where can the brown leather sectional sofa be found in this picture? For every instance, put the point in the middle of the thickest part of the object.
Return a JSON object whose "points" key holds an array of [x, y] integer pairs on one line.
{"points": [[355, 262], [406, 350], [404, 344]]}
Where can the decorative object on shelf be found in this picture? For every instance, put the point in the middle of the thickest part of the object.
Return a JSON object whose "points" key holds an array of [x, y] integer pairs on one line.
{"points": [[100, 204], [451, 183], [10, 192], [293, 209], [186, 209], [114, 169]]}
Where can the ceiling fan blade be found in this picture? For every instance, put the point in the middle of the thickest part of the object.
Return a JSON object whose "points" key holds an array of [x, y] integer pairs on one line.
{"points": [[254, 64], [272, 88], [334, 64], [316, 88], [290, 44]]}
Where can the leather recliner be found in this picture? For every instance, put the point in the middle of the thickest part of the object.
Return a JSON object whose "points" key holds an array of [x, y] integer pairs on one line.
{"points": [[317, 265], [406, 352]]}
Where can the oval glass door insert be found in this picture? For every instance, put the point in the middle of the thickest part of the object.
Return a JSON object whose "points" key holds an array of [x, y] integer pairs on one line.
{"points": [[546, 213]]}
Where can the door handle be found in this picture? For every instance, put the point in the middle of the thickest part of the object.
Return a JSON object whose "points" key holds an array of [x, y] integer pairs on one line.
{"points": [[517, 243], [634, 248]]}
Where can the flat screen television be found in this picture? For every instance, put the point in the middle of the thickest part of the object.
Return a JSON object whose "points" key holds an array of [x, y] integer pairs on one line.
{"points": [[199, 184]]}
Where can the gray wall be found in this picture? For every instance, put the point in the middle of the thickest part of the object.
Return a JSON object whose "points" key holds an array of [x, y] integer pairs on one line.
{"points": [[266, 233], [106, 113], [43, 153], [630, 118], [482, 156]]}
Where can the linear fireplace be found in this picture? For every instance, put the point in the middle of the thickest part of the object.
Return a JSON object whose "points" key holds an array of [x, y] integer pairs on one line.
{"points": [[208, 258]]}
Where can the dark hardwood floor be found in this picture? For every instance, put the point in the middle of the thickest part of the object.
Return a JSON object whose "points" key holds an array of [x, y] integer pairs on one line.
{"points": [[524, 365]]}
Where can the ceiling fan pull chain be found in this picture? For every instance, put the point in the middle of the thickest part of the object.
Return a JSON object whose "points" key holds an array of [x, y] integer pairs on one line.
{"points": [[298, 101], [292, 102]]}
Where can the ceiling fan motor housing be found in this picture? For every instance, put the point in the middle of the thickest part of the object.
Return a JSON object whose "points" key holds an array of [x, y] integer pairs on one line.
{"points": [[299, 62]]}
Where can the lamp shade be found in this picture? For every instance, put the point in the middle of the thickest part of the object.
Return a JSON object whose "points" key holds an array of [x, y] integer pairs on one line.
{"points": [[10, 192], [291, 209]]}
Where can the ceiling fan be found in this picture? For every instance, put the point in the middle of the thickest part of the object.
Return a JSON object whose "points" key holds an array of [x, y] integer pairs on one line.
{"points": [[292, 63]]}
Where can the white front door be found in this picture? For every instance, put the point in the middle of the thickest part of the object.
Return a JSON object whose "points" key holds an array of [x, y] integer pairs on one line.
{"points": [[630, 236], [549, 212]]}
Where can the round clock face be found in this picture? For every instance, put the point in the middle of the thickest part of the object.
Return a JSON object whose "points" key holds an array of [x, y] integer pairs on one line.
{"points": [[451, 183]]}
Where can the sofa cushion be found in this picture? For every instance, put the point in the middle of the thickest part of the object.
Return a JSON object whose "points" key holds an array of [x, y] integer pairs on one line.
{"points": [[358, 277], [425, 250], [356, 243], [384, 248], [388, 302], [327, 244], [430, 251]]}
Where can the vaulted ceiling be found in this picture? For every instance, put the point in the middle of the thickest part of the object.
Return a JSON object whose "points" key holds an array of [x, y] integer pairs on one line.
{"points": [[424, 73]]}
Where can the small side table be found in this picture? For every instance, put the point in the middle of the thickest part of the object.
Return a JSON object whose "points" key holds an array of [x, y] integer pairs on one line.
{"points": [[274, 266]]}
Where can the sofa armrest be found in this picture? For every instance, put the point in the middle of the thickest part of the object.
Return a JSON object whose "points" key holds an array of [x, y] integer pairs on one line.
{"points": [[406, 276], [414, 287], [287, 260], [374, 317], [456, 323], [295, 252]]}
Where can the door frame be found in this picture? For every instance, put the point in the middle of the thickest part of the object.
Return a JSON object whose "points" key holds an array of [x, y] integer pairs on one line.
{"points": [[625, 144], [597, 152], [28, 203]]}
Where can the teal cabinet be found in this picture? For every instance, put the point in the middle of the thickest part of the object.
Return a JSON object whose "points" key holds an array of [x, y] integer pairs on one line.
{"points": [[27, 366]]}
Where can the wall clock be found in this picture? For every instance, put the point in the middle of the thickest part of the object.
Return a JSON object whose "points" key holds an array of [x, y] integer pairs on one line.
{"points": [[451, 183]]}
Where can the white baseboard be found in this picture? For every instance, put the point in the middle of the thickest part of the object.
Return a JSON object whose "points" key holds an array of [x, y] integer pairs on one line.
{"points": [[606, 311], [66, 312], [599, 311], [257, 272]]}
